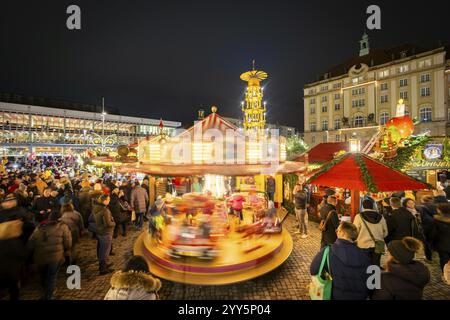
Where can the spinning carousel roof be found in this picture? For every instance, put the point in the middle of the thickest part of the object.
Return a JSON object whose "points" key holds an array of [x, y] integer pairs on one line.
{"points": [[202, 169]]}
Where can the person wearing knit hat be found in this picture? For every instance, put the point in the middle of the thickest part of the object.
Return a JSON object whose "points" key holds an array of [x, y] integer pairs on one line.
{"points": [[404, 278]]}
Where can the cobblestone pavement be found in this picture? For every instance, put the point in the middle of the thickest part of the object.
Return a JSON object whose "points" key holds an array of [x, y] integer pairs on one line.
{"points": [[289, 281]]}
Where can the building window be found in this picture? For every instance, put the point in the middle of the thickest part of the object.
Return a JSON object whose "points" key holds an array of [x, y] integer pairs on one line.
{"points": [[312, 91], [359, 91], [338, 138], [383, 74], [357, 103], [324, 108], [324, 138], [425, 92], [337, 106], [313, 139], [384, 99], [312, 110], [337, 96], [312, 101], [336, 86], [384, 86], [425, 78], [313, 126], [337, 124], [403, 68], [324, 88], [359, 121], [324, 99], [384, 118], [404, 95], [403, 82], [425, 114], [425, 63], [325, 125]]}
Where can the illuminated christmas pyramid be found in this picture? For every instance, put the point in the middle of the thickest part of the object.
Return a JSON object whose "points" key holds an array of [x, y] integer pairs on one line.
{"points": [[253, 107]]}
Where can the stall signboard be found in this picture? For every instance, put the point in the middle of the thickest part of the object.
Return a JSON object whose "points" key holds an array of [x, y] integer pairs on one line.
{"points": [[418, 174], [433, 151]]}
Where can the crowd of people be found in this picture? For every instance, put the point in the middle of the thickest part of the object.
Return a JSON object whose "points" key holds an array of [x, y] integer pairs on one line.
{"points": [[400, 224], [48, 204]]}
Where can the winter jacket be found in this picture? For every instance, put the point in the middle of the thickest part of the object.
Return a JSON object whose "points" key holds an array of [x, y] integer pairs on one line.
{"points": [[116, 209], [440, 234], [403, 282], [133, 285], [50, 243], [85, 201], [348, 265], [139, 199], [377, 225], [104, 222], [13, 250], [270, 185], [329, 233], [300, 200], [74, 221], [404, 225]]}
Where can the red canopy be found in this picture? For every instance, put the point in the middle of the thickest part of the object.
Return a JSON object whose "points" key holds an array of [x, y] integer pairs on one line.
{"points": [[347, 173]]}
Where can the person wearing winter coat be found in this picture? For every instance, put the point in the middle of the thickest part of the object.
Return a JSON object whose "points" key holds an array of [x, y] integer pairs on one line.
{"points": [[427, 211], [139, 203], [329, 221], [406, 221], [300, 205], [348, 265], [404, 278], [49, 244], [85, 200], [104, 227], [16, 227], [74, 221], [134, 282], [44, 205], [440, 235], [373, 220], [117, 213]]}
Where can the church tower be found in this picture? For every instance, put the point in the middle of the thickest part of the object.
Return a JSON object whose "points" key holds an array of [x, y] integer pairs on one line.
{"points": [[253, 107], [364, 45]]}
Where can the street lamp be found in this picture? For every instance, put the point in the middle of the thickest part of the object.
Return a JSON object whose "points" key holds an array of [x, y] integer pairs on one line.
{"points": [[355, 145]]}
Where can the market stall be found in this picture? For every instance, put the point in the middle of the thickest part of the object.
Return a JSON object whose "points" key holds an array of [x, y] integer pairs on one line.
{"points": [[362, 174]]}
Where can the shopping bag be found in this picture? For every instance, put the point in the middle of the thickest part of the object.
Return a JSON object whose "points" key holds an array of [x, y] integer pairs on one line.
{"points": [[321, 283], [133, 216]]}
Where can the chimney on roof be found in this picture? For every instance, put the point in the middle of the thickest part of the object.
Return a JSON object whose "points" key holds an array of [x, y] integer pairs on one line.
{"points": [[364, 45]]}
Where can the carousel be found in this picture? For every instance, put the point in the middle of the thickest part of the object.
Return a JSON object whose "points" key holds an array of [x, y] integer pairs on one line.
{"points": [[225, 230]]}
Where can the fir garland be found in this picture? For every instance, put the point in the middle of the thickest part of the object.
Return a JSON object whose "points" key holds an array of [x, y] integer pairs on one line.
{"points": [[367, 178], [326, 168]]}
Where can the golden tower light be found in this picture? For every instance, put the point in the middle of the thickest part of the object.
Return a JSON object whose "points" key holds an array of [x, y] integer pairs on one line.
{"points": [[254, 109]]}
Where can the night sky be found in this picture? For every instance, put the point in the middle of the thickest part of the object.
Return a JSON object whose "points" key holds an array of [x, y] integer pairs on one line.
{"points": [[167, 59]]}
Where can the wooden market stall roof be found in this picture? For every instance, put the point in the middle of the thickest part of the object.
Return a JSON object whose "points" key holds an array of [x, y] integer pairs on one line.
{"points": [[360, 172], [323, 152]]}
